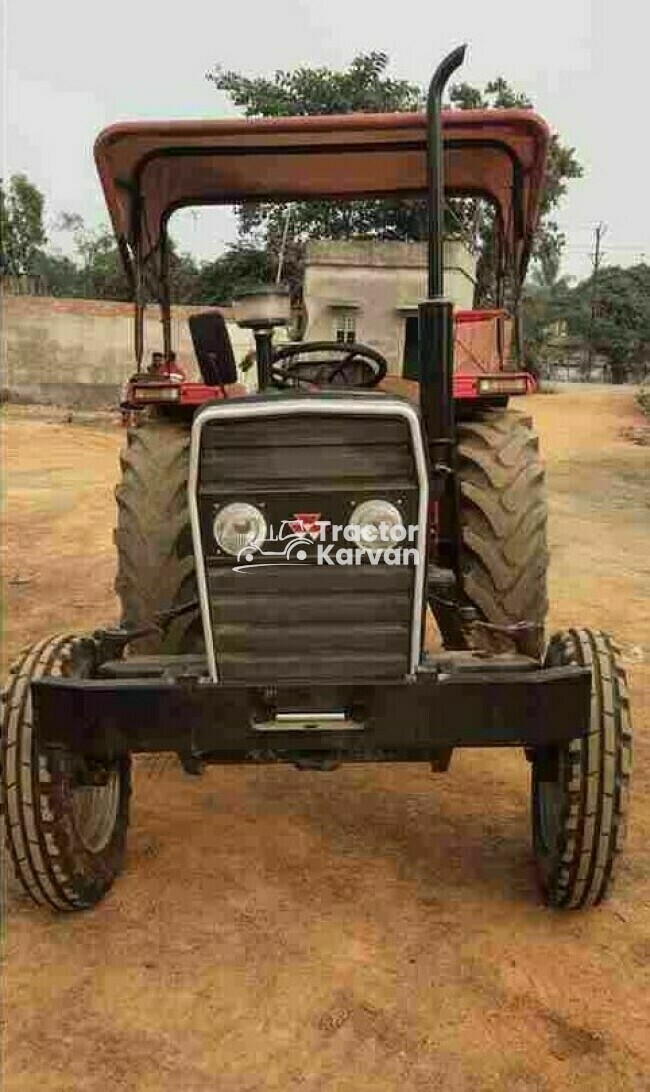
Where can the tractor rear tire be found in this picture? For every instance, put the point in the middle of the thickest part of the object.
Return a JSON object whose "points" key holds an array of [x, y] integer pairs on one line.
{"points": [[66, 834], [580, 789], [155, 559], [503, 524]]}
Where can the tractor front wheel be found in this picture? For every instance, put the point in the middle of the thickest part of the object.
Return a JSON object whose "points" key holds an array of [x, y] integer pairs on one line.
{"points": [[65, 823], [580, 789]]}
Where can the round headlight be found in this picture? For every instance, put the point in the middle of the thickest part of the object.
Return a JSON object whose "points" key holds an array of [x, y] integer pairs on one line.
{"points": [[238, 525], [378, 525]]}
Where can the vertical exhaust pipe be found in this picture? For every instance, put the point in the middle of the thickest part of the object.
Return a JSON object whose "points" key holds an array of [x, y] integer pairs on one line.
{"points": [[435, 169], [436, 330]]}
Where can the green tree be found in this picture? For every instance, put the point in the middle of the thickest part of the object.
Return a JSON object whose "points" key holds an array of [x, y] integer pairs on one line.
{"points": [[612, 312], [361, 88], [184, 274], [244, 265], [59, 274], [22, 231], [544, 312], [562, 165], [365, 87], [100, 274], [241, 266]]}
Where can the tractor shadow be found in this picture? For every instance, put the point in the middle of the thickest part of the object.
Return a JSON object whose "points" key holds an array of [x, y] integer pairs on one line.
{"points": [[450, 840]]}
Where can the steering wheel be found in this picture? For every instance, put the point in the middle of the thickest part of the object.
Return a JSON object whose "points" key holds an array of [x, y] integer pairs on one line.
{"points": [[337, 364]]}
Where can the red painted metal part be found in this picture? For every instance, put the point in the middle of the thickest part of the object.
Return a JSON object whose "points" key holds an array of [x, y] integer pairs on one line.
{"points": [[195, 394], [466, 387], [461, 317], [471, 368]]}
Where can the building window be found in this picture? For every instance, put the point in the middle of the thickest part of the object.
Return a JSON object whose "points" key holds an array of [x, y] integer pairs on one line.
{"points": [[345, 327]]}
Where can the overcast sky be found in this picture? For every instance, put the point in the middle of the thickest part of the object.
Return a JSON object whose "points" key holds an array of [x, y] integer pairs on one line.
{"points": [[71, 67]]}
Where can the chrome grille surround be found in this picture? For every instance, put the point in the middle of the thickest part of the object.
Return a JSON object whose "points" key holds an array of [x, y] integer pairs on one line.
{"points": [[357, 405]]}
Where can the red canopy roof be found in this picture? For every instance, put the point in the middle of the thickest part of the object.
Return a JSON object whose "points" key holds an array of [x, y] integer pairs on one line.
{"points": [[149, 169]]}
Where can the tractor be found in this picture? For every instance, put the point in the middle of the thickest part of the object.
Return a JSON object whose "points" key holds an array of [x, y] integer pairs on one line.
{"points": [[230, 649]]}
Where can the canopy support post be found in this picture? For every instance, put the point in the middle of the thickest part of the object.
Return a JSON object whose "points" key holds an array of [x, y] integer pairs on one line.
{"points": [[139, 322], [165, 297], [139, 294]]}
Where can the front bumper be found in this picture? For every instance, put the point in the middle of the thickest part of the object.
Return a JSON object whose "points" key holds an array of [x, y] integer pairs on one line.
{"points": [[456, 700]]}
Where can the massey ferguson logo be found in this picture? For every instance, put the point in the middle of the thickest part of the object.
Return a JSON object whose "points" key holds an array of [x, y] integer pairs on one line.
{"points": [[305, 523]]}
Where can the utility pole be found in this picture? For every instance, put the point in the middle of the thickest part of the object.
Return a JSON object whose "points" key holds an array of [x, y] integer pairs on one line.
{"points": [[599, 232]]}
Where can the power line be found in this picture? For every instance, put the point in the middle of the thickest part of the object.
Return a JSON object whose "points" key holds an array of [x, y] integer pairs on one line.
{"points": [[635, 248]]}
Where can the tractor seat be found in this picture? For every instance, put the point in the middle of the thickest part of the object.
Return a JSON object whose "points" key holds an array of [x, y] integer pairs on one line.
{"points": [[213, 348]]}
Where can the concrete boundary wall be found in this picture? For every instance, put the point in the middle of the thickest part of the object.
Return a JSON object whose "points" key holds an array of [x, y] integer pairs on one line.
{"points": [[79, 352]]}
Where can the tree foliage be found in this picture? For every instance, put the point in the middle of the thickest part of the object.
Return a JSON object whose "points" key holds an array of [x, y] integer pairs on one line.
{"points": [[562, 165], [99, 269], [241, 266], [608, 313], [365, 87], [244, 265], [93, 271], [361, 88], [58, 274], [22, 229], [619, 328], [544, 313], [96, 270]]}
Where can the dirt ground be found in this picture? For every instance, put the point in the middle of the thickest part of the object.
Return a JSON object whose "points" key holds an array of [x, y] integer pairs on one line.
{"points": [[372, 928]]}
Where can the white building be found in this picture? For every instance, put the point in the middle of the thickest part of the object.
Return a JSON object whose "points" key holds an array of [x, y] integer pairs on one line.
{"points": [[368, 290]]}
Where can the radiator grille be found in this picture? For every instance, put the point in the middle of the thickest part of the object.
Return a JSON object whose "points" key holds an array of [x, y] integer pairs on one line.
{"points": [[277, 622]]}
